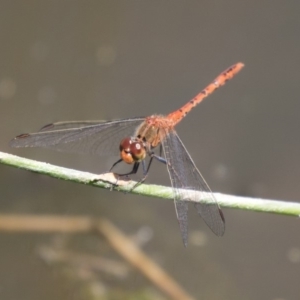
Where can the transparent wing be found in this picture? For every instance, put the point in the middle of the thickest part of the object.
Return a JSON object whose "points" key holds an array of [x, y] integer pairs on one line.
{"points": [[100, 139], [185, 175], [70, 124]]}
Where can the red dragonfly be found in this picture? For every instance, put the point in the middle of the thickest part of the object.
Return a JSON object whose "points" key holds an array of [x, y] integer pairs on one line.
{"points": [[139, 138]]}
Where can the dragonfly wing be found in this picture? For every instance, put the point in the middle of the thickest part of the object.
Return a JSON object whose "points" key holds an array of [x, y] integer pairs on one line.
{"points": [[181, 208], [185, 176], [102, 138], [70, 124]]}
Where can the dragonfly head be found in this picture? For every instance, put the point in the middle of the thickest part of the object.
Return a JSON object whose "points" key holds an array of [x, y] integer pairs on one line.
{"points": [[132, 150]]}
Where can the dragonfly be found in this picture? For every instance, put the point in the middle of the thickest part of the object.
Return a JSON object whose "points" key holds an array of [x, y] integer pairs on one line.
{"points": [[138, 138]]}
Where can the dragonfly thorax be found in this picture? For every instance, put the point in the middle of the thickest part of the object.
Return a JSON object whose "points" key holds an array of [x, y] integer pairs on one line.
{"points": [[132, 149]]}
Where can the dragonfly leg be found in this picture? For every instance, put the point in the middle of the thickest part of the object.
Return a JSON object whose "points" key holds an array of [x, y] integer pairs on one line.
{"points": [[145, 173], [117, 162], [160, 150], [146, 169], [133, 171], [160, 159]]}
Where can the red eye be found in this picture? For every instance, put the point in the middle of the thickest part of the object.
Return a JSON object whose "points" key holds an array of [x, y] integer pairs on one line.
{"points": [[125, 151], [125, 144], [138, 150], [132, 150]]}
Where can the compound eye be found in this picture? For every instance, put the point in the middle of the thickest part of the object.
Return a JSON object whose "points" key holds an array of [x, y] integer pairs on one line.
{"points": [[132, 150], [138, 151], [125, 150]]}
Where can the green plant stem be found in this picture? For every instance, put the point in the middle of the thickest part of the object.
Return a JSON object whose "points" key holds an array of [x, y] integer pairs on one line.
{"points": [[108, 181]]}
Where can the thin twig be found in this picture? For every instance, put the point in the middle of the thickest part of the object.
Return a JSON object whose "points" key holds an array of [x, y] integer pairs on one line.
{"points": [[141, 261], [109, 181], [117, 239]]}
